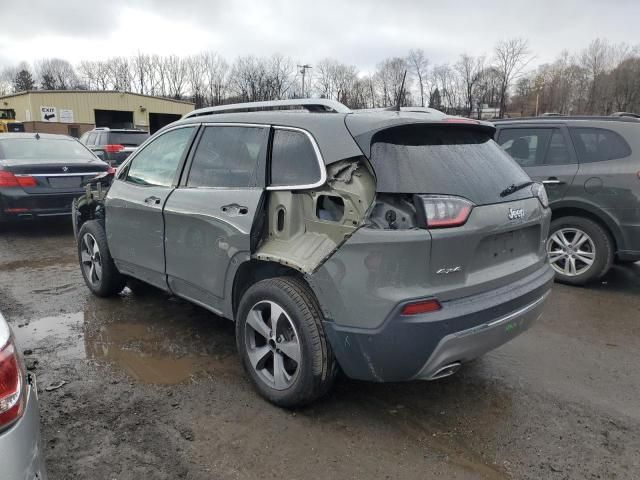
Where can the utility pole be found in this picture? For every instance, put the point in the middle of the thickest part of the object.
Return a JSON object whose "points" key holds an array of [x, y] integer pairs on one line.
{"points": [[303, 71]]}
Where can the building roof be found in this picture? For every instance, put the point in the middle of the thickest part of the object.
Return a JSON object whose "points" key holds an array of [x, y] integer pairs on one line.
{"points": [[119, 92]]}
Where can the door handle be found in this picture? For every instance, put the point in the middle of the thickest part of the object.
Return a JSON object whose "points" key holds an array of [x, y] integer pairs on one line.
{"points": [[152, 200], [234, 210], [552, 181]]}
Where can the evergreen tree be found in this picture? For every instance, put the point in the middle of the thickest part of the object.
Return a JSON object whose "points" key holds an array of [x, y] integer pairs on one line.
{"points": [[23, 81]]}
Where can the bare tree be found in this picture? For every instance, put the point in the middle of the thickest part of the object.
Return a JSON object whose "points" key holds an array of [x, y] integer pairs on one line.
{"points": [[389, 76], [419, 65], [470, 70], [511, 58], [175, 73], [217, 73], [56, 74]]}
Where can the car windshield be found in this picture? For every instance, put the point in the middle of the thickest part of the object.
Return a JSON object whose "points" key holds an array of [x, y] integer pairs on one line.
{"points": [[43, 149]]}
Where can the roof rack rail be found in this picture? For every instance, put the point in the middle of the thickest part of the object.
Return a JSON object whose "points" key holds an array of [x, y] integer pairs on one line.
{"points": [[310, 104]]}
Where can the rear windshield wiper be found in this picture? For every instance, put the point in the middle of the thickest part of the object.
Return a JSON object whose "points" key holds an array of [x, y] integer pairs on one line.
{"points": [[513, 188]]}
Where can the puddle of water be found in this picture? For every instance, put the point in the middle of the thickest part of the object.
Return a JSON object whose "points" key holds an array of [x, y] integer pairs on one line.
{"points": [[37, 263], [152, 338]]}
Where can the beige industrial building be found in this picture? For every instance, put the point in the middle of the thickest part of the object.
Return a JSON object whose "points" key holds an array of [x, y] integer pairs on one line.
{"points": [[73, 112]]}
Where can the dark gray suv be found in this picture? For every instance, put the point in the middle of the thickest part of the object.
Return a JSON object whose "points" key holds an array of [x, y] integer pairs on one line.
{"points": [[113, 145], [590, 167], [395, 245]]}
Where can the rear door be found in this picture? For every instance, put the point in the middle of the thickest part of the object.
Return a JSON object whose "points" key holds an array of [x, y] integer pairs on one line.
{"points": [[210, 215], [134, 220], [545, 153]]}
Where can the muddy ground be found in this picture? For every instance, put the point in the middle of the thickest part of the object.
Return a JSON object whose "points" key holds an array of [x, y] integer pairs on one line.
{"points": [[155, 390]]}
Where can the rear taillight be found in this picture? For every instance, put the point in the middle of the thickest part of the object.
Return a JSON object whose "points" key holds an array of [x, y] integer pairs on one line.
{"points": [[540, 193], [423, 306], [444, 211], [12, 382], [111, 170], [113, 148], [9, 180]]}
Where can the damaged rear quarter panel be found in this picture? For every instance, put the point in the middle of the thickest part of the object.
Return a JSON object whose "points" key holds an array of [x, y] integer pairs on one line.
{"points": [[298, 234]]}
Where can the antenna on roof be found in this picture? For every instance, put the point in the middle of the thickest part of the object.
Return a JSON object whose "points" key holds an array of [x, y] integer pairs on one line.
{"points": [[396, 107]]}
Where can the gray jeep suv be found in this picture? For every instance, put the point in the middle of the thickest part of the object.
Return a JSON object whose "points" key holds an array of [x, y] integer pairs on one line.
{"points": [[395, 245], [590, 167]]}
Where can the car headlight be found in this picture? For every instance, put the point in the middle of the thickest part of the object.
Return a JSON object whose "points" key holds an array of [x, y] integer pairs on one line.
{"points": [[541, 194]]}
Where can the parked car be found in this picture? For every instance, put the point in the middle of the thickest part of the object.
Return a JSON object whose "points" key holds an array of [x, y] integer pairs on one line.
{"points": [[590, 167], [21, 455], [113, 145], [371, 241], [41, 174]]}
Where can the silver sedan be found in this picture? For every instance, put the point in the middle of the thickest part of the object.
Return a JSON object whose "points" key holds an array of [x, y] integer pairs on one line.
{"points": [[21, 457]]}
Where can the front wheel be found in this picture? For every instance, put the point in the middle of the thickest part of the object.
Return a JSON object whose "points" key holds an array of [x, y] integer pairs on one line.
{"points": [[281, 341], [99, 272], [579, 250]]}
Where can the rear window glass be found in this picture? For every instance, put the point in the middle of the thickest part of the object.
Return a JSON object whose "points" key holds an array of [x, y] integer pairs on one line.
{"points": [[444, 160], [599, 144], [293, 160], [43, 149], [132, 139]]}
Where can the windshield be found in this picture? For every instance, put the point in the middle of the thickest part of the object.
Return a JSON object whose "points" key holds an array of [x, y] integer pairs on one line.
{"points": [[44, 149], [128, 139], [447, 160]]}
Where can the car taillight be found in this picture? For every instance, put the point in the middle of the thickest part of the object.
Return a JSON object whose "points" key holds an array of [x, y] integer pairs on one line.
{"points": [[113, 148], [111, 170], [9, 180], [423, 306], [540, 193], [444, 211], [12, 380]]}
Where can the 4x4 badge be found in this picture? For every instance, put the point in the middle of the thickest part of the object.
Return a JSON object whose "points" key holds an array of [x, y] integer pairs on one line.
{"points": [[515, 213]]}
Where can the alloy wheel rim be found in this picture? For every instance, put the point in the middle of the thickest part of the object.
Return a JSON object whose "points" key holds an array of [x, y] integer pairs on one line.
{"points": [[571, 251], [91, 259], [273, 345]]}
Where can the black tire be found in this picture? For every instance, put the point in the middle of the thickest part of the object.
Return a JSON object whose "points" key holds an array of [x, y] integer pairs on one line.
{"points": [[317, 368], [602, 242], [111, 281]]}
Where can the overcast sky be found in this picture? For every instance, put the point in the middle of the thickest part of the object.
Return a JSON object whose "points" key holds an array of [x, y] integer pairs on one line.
{"points": [[354, 31]]}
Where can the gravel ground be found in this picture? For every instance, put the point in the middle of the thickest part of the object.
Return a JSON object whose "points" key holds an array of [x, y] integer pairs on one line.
{"points": [[155, 390]]}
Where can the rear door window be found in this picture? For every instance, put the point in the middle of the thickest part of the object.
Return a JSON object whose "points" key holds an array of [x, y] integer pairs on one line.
{"points": [[558, 151], [229, 157], [91, 140], [448, 160], [527, 146], [294, 161], [599, 144]]}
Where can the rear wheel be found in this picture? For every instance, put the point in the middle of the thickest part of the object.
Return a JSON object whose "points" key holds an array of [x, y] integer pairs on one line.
{"points": [[99, 272], [579, 250], [281, 341]]}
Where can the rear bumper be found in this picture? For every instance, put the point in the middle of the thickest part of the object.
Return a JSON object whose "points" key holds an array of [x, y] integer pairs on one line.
{"points": [[21, 456], [419, 346], [17, 204]]}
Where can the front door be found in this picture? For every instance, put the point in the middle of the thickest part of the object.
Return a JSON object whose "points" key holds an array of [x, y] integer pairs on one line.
{"points": [[545, 154], [134, 219], [208, 218]]}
